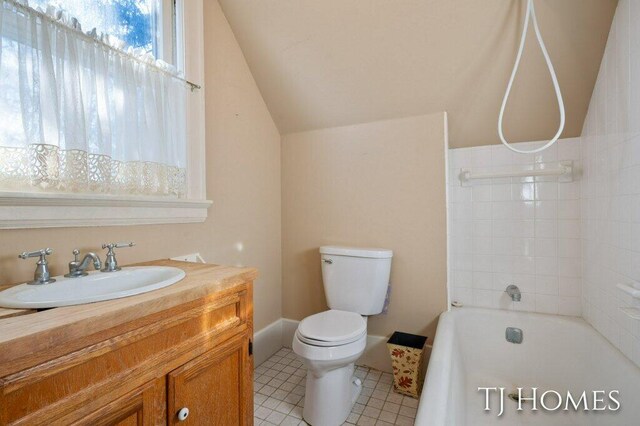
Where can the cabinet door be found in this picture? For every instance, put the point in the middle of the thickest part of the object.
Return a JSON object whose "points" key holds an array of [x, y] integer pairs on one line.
{"points": [[216, 388], [144, 406]]}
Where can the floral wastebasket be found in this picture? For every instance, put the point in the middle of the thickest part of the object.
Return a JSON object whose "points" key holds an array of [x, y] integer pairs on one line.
{"points": [[407, 352]]}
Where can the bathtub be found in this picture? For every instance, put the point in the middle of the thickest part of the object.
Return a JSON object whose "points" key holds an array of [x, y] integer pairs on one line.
{"points": [[563, 354]]}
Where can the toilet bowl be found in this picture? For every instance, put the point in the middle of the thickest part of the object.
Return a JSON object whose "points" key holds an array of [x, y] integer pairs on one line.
{"points": [[329, 343]]}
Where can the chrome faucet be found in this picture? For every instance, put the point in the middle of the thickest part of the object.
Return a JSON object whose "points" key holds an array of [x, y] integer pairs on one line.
{"points": [[42, 274], [79, 268], [110, 263], [514, 292]]}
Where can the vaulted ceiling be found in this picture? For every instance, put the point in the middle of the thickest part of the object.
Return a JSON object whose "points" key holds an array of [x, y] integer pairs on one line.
{"points": [[337, 62]]}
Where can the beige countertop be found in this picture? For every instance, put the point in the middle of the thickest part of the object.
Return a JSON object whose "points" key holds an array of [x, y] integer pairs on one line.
{"points": [[28, 337]]}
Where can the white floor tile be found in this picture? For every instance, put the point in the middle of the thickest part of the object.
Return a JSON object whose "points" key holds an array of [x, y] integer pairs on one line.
{"points": [[387, 416], [391, 407], [280, 387], [262, 413], [366, 421], [376, 403], [271, 403], [285, 407]]}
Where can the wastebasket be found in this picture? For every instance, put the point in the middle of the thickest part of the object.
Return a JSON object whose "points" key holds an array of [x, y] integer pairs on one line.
{"points": [[407, 357]]}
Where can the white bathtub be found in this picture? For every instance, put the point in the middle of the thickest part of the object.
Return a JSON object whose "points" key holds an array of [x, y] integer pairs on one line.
{"points": [[557, 353]]}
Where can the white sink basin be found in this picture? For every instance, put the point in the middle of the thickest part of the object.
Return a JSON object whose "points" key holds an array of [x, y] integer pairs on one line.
{"points": [[95, 287]]}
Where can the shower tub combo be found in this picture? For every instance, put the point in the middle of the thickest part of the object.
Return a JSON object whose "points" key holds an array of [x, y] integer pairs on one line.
{"points": [[568, 362]]}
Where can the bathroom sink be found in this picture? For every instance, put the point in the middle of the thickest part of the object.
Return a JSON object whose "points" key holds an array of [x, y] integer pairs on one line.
{"points": [[94, 287]]}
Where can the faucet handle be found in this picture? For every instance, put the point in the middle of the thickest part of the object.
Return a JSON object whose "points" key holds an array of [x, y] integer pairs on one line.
{"points": [[111, 246], [42, 274], [110, 263], [42, 253], [75, 252]]}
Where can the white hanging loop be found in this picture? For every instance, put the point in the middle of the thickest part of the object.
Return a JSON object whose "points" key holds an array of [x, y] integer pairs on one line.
{"points": [[531, 14]]}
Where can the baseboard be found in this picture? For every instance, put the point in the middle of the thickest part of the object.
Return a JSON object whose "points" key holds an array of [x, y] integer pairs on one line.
{"points": [[279, 333], [375, 354], [267, 342], [289, 328]]}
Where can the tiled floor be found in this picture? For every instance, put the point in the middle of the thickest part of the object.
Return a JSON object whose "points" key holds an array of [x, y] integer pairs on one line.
{"points": [[279, 395]]}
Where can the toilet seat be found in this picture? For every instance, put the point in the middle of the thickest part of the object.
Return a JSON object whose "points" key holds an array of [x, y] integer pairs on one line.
{"points": [[334, 355], [321, 343], [331, 328]]}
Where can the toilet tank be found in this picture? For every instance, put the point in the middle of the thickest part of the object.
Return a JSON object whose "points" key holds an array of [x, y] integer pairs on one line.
{"points": [[355, 279]]}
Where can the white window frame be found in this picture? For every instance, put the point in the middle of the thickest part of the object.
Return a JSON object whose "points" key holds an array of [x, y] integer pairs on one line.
{"points": [[50, 210]]}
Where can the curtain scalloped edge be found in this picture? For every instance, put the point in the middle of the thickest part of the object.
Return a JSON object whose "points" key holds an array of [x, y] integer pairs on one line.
{"points": [[46, 168]]}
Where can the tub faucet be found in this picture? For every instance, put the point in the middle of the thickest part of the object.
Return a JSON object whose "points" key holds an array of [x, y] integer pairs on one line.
{"points": [[514, 292], [78, 268]]}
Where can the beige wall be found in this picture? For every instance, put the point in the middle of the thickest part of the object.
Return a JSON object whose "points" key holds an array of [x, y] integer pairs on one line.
{"points": [[380, 184], [243, 180], [331, 63]]}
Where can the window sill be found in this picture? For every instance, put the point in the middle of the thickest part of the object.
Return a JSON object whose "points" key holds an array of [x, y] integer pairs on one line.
{"points": [[20, 210]]}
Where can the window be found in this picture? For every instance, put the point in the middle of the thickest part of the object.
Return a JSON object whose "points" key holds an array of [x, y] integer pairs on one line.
{"points": [[88, 121], [145, 24], [136, 22]]}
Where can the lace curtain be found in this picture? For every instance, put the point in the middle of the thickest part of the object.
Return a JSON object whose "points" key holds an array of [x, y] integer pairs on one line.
{"points": [[77, 115]]}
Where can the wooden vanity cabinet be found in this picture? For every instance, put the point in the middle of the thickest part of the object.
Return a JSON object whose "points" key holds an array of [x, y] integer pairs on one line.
{"points": [[144, 406], [215, 387], [196, 355]]}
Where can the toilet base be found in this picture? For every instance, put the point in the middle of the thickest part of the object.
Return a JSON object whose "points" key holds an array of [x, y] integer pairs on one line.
{"points": [[330, 397]]}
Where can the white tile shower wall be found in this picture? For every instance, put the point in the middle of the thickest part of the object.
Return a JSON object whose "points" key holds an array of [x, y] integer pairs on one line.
{"points": [[611, 186], [522, 231]]}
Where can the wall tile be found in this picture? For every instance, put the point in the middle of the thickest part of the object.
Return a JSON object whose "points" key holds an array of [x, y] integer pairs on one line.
{"points": [[569, 287], [569, 209], [501, 192], [546, 266], [569, 191], [546, 246], [546, 304], [609, 228], [481, 210], [569, 149], [546, 209], [518, 231], [524, 210], [501, 155], [480, 193], [482, 245], [569, 248], [523, 246], [483, 280], [546, 228], [547, 284], [568, 228], [546, 191], [523, 191], [523, 228], [569, 306]]}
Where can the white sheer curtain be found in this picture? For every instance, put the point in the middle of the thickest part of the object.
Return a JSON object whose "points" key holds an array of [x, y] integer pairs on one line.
{"points": [[79, 116]]}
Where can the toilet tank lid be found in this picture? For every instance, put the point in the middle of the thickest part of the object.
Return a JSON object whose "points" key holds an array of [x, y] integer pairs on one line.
{"points": [[375, 253]]}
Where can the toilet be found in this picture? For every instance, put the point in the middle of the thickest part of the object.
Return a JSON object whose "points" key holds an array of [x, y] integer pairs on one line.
{"points": [[330, 342]]}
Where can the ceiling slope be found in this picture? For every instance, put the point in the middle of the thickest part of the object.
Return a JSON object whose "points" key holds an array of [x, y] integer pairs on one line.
{"points": [[329, 63]]}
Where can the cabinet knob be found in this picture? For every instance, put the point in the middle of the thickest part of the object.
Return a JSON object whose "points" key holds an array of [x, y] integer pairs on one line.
{"points": [[183, 414]]}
